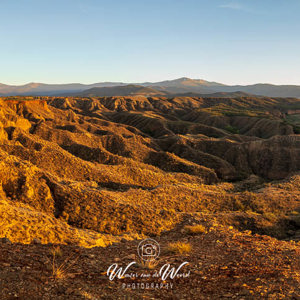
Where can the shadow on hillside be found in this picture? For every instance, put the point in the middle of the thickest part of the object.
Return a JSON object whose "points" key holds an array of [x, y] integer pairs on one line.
{"points": [[120, 186], [284, 228]]}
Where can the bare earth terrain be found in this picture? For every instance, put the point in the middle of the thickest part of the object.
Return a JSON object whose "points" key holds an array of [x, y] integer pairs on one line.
{"points": [[215, 181]]}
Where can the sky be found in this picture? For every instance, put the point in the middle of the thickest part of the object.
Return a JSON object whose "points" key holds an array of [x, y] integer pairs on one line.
{"points": [[88, 41]]}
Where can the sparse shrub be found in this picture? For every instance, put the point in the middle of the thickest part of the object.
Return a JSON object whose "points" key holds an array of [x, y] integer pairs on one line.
{"points": [[148, 264], [195, 229], [294, 213], [56, 251], [60, 271], [179, 247], [232, 129], [87, 295]]}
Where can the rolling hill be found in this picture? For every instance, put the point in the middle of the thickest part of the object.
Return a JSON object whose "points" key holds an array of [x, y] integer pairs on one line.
{"points": [[125, 90]]}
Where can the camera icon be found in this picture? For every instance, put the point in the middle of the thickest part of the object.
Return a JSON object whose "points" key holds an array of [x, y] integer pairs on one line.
{"points": [[148, 249]]}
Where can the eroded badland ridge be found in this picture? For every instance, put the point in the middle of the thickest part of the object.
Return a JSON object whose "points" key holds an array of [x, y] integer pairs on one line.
{"points": [[99, 171]]}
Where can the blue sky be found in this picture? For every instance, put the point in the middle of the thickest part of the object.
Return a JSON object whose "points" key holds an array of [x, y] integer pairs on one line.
{"points": [[234, 42]]}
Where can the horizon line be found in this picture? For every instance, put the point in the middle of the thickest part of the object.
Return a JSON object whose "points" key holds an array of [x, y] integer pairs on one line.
{"points": [[142, 82]]}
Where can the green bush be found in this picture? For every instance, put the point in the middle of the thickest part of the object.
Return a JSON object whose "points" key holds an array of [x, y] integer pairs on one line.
{"points": [[232, 129]]}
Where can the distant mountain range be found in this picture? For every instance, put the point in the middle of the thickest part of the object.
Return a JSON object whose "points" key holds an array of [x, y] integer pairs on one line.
{"points": [[181, 86]]}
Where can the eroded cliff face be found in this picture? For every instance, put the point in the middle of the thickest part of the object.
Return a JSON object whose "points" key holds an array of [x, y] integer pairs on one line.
{"points": [[97, 163]]}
